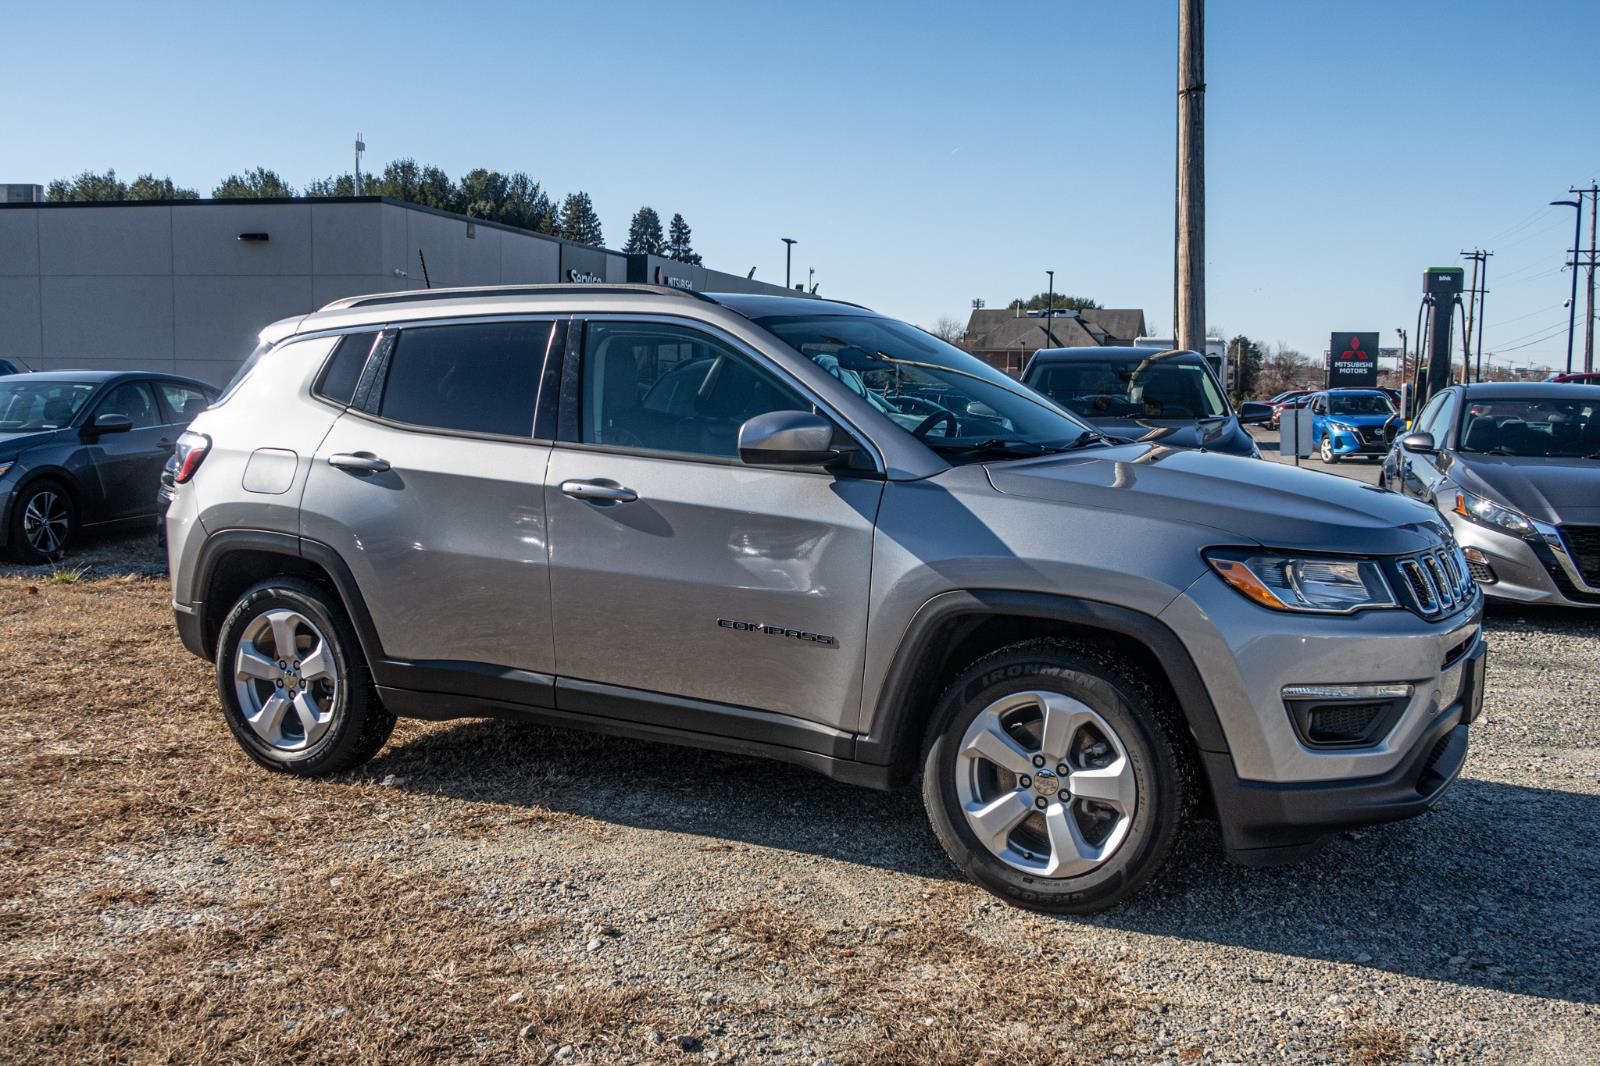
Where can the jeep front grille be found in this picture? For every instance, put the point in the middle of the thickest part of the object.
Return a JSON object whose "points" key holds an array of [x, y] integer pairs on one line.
{"points": [[1437, 582]]}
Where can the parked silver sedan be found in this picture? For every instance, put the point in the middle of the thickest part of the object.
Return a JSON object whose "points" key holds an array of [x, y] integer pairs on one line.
{"points": [[1515, 469]]}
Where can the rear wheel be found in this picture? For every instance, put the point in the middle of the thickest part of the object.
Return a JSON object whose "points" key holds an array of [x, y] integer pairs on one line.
{"points": [[1052, 779], [44, 522], [294, 687]]}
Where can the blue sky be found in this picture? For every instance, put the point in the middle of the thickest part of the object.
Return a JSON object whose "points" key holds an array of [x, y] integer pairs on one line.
{"points": [[922, 154]]}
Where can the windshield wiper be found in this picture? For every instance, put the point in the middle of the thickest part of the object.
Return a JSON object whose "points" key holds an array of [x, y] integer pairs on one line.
{"points": [[1014, 449]]}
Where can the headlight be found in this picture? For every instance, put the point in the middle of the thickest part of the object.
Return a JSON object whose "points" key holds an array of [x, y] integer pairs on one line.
{"points": [[1489, 513], [1341, 427], [1316, 584]]}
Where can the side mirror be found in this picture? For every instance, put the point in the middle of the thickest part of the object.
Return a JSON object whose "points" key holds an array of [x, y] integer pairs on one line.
{"points": [[1252, 413], [109, 423], [979, 409], [1421, 443], [787, 438]]}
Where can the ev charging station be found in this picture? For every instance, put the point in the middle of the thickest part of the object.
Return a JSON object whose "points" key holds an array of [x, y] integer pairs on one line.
{"points": [[1441, 296]]}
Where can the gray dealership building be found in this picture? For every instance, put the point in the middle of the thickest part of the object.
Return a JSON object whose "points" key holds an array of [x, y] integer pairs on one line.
{"points": [[184, 285]]}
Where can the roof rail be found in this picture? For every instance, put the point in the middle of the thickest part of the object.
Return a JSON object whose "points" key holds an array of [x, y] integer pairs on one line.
{"points": [[478, 292]]}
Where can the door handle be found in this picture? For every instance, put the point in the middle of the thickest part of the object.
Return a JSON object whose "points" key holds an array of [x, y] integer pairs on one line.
{"points": [[598, 491], [164, 442], [365, 462]]}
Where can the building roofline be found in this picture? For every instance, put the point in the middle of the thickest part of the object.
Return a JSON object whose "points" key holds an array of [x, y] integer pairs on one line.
{"points": [[291, 201]]}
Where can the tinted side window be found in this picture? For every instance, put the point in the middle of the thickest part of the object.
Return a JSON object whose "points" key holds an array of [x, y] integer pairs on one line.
{"points": [[1429, 415], [672, 389], [184, 401], [478, 377], [134, 399], [339, 377]]}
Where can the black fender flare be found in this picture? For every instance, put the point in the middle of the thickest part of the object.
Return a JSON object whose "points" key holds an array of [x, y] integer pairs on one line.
{"points": [[219, 545], [896, 723]]}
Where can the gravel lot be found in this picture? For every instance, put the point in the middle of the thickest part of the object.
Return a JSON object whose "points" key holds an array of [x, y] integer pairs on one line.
{"points": [[493, 893]]}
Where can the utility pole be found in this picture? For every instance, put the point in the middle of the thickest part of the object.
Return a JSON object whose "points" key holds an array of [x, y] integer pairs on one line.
{"points": [[788, 257], [1050, 307], [1588, 311], [1190, 257], [361, 146], [1472, 303], [1475, 295]]}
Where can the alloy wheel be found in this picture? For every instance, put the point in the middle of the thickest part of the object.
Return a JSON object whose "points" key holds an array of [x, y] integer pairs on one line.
{"points": [[284, 679], [1046, 784], [45, 521]]}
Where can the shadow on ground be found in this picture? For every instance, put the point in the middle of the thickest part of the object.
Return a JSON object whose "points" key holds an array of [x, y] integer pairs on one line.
{"points": [[1494, 889]]}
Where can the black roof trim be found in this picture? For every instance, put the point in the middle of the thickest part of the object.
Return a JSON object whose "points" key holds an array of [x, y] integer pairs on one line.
{"points": [[485, 292]]}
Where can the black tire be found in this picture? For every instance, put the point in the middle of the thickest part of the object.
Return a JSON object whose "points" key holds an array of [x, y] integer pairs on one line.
{"points": [[44, 492], [359, 725], [1113, 690]]}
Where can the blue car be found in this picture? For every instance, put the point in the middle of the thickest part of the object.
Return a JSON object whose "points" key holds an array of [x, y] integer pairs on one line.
{"points": [[1352, 422]]}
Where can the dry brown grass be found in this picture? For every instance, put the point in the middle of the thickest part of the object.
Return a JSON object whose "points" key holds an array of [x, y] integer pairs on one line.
{"points": [[162, 899], [1376, 1045], [936, 991]]}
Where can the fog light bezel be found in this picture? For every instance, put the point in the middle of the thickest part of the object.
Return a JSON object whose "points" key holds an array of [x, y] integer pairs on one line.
{"points": [[1302, 702]]}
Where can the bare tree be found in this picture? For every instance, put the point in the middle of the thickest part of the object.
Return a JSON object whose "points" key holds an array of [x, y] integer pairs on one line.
{"points": [[1284, 368], [949, 328]]}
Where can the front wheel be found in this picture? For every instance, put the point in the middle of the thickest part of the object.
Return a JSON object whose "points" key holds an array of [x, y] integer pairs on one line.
{"points": [[294, 686], [1326, 450], [1052, 778], [44, 523]]}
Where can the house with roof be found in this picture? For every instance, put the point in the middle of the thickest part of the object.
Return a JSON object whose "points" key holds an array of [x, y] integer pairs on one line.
{"points": [[1005, 338]]}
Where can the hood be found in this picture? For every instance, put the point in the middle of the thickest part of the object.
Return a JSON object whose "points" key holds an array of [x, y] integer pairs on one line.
{"points": [[1248, 500], [1222, 434], [11, 443], [1552, 490]]}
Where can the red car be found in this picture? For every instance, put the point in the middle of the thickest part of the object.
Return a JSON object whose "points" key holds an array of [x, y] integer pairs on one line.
{"points": [[1578, 377], [1291, 399]]}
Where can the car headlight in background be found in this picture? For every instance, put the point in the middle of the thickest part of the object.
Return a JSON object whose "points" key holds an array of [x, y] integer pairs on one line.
{"points": [[1310, 583], [1341, 427], [1487, 512]]}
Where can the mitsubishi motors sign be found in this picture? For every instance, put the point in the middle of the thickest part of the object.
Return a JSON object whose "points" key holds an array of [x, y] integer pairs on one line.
{"points": [[1353, 360]]}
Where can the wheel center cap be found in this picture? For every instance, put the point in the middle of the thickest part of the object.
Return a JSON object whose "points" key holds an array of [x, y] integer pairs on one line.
{"points": [[1046, 782]]}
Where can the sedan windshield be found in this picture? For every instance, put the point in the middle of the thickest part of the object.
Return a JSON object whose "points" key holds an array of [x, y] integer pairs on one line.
{"points": [[960, 406], [1359, 403], [1160, 387], [28, 405], [1553, 428]]}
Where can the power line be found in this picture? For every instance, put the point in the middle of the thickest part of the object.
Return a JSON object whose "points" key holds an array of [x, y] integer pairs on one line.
{"points": [[1516, 347]]}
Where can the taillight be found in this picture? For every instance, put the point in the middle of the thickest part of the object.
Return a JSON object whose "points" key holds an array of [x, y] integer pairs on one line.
{"points": [[191, 449]]}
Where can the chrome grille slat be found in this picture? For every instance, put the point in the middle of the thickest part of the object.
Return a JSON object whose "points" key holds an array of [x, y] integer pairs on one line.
{"points": [[1438, 580]]}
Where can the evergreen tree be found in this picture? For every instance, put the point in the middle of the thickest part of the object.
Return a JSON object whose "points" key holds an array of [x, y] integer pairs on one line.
{"points": [[644, 233], [1063, 302], [87, 187], [252, 184], [579, 222], [150, 187], [333, 185], [678, 246], [1246, 358]]}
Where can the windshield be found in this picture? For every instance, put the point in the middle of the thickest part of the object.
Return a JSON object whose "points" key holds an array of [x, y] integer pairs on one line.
{"points": [[29, 405], [1359, 403], [1553, 428], [1160, 387], [960, 406]]}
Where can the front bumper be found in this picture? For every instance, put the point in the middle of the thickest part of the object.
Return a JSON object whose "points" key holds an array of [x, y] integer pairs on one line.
{"points": [[1365, 442], [1530, 571], [1267, 823]]}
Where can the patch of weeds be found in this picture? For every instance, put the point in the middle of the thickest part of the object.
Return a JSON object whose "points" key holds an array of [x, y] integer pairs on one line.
{"points": [[1376, 1045]]}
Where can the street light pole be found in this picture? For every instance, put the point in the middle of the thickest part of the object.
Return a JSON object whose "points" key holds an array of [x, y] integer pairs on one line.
{"points": [[1572, 301], [788, 257], [1050, 307]]}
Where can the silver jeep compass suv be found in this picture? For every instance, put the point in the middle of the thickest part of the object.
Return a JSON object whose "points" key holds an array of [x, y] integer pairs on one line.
{"points": [[796, 528]]}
